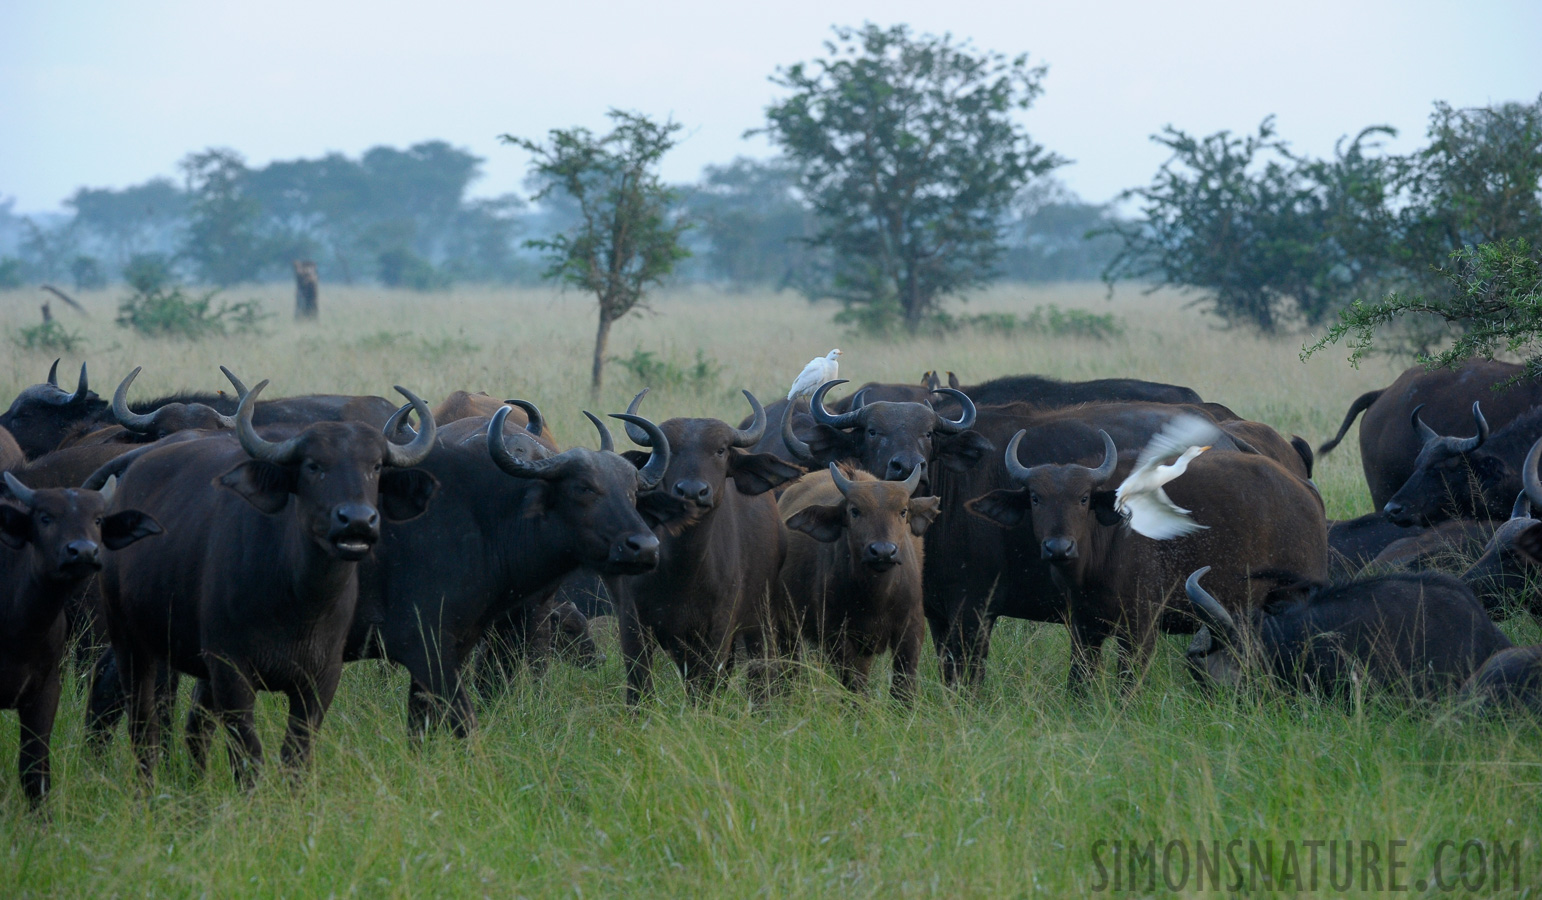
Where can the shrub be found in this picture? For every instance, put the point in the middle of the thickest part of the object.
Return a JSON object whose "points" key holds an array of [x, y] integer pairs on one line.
{"points": [[653, 371], [87, 273], [50, 336], [168, 312], [1047, 320], [10, 273], [403, 268], [147, 272]]}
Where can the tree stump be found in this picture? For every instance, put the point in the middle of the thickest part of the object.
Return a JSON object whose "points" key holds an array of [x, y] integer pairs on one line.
{"points": [[306, 288]]}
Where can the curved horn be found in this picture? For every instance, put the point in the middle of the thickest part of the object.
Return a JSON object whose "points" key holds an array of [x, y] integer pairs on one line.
{"points": [[858, 400], [1110, 460], [749, 437], [1522, 507], [511, 464], [1425, 432], [235, 383], [397, 424], [842, 483], [914, 481], [638, 435], [965, 419], [82, 389], [535, 422], [800, 451], [415, 451], [135, 422], [53, 374], [823, 416], [658, 461], [1468, 445], [607, 443], [253, 443], [1209, 611], [1018, 472], [23, 494], [1529, 479]]}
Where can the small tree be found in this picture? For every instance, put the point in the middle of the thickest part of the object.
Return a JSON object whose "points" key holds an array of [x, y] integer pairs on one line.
{"points": [[911, 158], [222, 239], [625, 239]]}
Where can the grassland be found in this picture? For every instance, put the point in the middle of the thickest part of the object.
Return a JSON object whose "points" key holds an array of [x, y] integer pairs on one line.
{"points": [[999, 793]]}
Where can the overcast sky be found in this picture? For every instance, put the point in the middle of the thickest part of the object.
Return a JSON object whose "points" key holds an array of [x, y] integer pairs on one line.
{"points": [[110, 94]]}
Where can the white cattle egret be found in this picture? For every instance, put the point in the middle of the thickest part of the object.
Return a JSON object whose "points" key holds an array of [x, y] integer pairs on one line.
{"points": [[817, 372], [1151, 512]]}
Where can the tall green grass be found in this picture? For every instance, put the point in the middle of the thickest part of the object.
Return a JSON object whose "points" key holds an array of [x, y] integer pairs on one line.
{"points": [[997, 792]]}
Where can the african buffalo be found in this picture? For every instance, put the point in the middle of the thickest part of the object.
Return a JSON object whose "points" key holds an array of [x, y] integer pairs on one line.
{"points": [[1510, 679], [1423, 634], [1508, 566], [11, 457], [1470, 478], [254, 587], [1389, 442], [1115, 582], [722, 545], [51, 540], [41, 415], [502, 532], [461, 405], [852, 579]]}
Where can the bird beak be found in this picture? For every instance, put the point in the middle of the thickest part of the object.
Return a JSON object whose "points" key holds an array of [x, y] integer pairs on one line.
{"points": [[1204, 448]]}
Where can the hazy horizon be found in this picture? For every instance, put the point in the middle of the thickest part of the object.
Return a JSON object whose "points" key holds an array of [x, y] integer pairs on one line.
{"points": [[113, 97]]}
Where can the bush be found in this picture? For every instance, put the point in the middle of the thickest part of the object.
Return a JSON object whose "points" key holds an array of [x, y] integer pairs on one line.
{"points": [[1047, 320], [50, 336], [87, 273], [652, 371], [147, 272], [403, 268], [10, 273], [168, 312]]}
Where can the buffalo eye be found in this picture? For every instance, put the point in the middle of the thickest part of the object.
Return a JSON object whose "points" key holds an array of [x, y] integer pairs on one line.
{"points": [[1084, 500], [856, 513], [904, 514], [45, 519], [1033, 499], [872, 432], [312, 467], [99, 521], [721, 451]]}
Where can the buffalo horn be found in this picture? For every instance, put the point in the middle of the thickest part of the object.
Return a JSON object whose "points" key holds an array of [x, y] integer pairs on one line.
{"points": [[1425, 432], [253, 443], [749, 437], [638, 436], [415, 451], [1110, 460], [511, 464], [842, 483], [82, 390], [1522, 507], [658, 461], [823, 416], [1019, 472], [858, 400], [135, 422], [535, 423], [53, 374], [1529, 477], [607, 443], [800, 451], [1467, 445], [398, 424], [914, 481], [966, 418], [235, 383], [23, 494], [1209, 611]]}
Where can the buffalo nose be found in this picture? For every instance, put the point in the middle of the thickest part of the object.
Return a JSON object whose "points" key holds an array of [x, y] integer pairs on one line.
{"points": [[355, 516], [695, 491], [1393, 509], [1058, 548], [880, 552], [82, 552], [640, 548]]}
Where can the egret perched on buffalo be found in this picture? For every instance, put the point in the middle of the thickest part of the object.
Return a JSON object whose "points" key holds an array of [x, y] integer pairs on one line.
{"points": [[817, 372], [1151, 512]]}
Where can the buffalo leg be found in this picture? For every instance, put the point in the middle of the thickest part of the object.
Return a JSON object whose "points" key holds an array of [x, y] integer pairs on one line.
{"points": [[437, 696], [907, 661], [36, 712], [1087, 638], [137, 673], [308, 705], [236, 701], [635, 654], [201, 721]]}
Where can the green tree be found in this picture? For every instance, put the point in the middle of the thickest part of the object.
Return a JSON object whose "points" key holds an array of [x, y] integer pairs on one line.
{"points": [[910, 156], [625, 240], [222, 241], [1270, 238], [751, 225]]}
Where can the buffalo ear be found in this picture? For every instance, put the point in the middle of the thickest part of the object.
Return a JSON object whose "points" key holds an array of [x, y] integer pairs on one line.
{"points": [[1489, 469], [756, 473], [15, 527], [822, 523], [923, 511], [826, 444], [1528, 544], [1006, 507], [123, 528], [404, 493], [1103, 508], [263, 484], [638, 458], [659, 508], [963, 451]]}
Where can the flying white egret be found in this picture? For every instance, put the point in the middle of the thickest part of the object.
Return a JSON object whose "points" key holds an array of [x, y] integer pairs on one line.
{"points": [[1151, 512], [817, 372]]}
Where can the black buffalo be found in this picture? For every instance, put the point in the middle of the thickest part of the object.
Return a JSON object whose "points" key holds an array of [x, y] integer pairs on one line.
{"points": [[1473, 477]]}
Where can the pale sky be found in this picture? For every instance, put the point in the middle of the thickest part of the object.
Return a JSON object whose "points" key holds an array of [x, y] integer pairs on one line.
{"points": [[110, 94]]}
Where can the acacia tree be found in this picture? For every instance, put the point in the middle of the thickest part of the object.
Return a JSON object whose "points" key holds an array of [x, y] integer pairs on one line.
{"points": [[625, 239], [910, 156]]}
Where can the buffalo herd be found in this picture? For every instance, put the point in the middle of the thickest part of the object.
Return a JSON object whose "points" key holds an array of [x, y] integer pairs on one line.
{"points": [[258, 544]]}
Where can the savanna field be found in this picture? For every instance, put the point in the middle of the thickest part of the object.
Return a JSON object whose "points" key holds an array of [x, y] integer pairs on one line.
{"points": [[1001, 792]]}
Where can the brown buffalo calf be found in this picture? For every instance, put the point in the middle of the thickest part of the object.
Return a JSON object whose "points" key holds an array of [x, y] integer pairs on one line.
{"points": [[852, 579]]}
